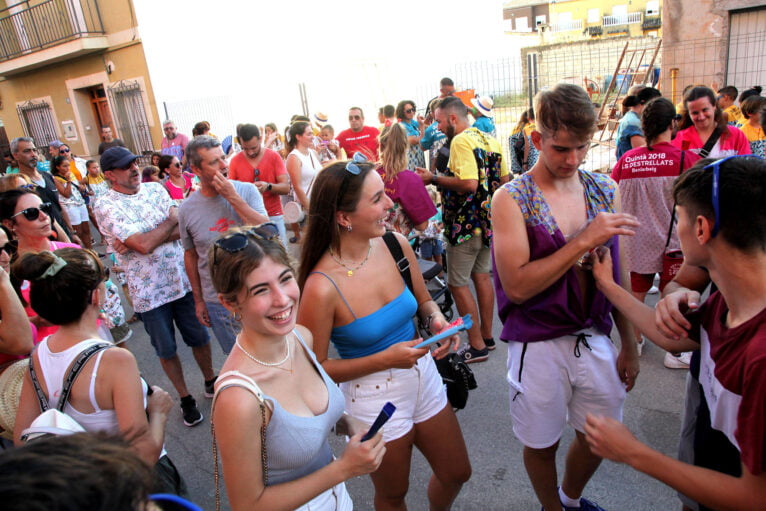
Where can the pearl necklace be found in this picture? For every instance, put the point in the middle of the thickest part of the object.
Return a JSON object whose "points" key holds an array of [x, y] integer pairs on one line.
{"points": [[350, 270], [267, 364]]}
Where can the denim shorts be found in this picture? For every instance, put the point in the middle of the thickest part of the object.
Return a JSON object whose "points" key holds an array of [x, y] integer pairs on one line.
{"points": [[158, 323], [430, 247], [223, 325], [417, 392]]}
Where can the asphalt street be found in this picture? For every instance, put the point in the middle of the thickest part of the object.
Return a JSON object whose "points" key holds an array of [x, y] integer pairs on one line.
{"points": [[499, 481]]}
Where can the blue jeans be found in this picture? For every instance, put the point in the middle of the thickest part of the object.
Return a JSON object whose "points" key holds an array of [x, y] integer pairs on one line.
{"points": [[223, 325], [280, 223], [158, 323]]}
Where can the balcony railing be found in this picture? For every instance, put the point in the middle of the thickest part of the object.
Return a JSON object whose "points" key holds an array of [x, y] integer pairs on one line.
{"points": [[566, 26], [628, 19], [651, 23], [25, 28]]}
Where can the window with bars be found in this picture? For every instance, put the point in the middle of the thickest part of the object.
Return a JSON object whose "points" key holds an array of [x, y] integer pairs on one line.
{"points": [[128, 107], [37, 121]]}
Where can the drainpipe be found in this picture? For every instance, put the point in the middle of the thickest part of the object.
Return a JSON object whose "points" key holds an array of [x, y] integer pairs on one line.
{"points": [[673, 83]]}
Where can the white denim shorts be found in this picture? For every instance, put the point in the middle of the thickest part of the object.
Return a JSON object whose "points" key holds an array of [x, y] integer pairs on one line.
{"points": [[417, 393], [550, 385]]}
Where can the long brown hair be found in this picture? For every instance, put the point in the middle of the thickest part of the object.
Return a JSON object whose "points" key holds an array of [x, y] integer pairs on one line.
{"points": [[393, 150], [296, 128], [335, 189]]}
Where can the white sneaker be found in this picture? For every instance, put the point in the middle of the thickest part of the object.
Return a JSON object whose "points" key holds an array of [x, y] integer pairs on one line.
{"points": [[653, 290], [680, 361], [640, 345]]}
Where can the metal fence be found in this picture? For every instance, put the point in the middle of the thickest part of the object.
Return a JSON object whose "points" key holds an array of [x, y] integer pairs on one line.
{"points": [[216, 110], [25, 27]]}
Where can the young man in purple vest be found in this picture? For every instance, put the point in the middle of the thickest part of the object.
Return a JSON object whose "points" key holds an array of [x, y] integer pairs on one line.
{"points": [[562, 364]]}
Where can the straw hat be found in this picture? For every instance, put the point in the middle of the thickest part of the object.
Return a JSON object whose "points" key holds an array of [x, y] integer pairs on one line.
{"points": [[10, 391], [484, 105], [320, 118]]}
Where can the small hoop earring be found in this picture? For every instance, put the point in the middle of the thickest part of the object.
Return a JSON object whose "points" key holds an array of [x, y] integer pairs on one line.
{"points": [[237, 317], [348, 227]]}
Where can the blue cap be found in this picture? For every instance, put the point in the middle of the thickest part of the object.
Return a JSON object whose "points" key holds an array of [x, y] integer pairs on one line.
{"points": [[117, 158]]}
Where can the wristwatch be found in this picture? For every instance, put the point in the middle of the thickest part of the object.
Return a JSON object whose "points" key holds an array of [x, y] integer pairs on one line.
{"points": [[268, 188], [433, 179]]}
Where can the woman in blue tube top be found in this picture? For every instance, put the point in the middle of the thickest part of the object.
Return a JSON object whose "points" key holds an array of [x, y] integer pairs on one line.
{"points": [[355, 297], [277, 456]]}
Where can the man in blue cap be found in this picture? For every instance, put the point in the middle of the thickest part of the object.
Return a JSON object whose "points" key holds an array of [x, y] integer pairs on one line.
{"points": [[140, 224]]}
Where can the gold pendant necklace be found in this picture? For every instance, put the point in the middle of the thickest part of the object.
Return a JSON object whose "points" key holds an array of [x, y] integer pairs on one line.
{"points": [[351, 269]]}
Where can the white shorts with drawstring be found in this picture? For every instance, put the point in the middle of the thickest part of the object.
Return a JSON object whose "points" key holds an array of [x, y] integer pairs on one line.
{"points": [[560, 381]]}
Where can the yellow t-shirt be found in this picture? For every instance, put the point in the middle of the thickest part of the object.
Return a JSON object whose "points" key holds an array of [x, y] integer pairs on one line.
{"points": [[734, 114], [753, 133], [462, 159]]}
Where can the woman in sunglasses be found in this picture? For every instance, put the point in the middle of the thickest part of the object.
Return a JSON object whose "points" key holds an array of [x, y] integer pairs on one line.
{"points": [[68, 290], [355, 297], [289, 465], [415, 126], [302, 165], [179, 184], [29, 220]]}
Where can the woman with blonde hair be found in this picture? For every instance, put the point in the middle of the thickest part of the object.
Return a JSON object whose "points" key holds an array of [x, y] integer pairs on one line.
{"points": [[412, 206]]}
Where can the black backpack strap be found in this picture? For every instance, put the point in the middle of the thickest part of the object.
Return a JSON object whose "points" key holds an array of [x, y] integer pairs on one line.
{"points": [[74, 372], [402, 263], [705, 151]]}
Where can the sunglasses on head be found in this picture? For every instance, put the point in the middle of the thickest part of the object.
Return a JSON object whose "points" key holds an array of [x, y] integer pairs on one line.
{"points": [[716, 166], [34, 213], [238, 241], [352, 167]]}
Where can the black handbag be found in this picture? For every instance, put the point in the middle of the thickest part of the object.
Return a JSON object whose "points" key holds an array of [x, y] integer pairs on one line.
{"points": [[456, 375]]}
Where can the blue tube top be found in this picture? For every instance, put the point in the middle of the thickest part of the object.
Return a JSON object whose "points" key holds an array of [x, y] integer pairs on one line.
{"points": [[375, 332]]}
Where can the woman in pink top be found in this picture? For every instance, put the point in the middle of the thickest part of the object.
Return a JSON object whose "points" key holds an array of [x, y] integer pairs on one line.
{"points": [[179, 183], [27, 217], [702, 119], [412, 205]]}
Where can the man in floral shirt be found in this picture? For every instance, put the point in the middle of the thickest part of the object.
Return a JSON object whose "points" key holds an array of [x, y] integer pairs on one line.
{"points": [[140, 223]]}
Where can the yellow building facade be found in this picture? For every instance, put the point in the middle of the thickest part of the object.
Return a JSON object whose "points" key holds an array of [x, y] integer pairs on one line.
{"points": [[561, 21], [70, 67]]}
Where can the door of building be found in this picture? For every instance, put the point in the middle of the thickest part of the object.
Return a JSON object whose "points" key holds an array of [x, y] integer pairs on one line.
{"points": [[101, 108]]}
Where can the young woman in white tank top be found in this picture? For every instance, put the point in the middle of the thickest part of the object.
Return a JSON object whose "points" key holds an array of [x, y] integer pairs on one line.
{"points": [[302, 165], [67, 289]]}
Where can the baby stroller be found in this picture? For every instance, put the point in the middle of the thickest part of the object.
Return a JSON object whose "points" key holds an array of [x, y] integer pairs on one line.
{"points": [[436, 285]]}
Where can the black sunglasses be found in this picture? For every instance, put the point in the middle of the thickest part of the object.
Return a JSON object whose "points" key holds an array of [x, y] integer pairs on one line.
{"points": [[238, 241], [10, 248], [34, 213], [63, 151], [409, 111]]}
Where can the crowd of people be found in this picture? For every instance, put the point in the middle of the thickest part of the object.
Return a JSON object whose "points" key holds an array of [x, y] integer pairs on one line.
{"points": [[199, 239]]}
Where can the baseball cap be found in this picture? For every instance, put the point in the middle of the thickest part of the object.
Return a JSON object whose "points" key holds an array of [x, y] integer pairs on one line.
{"points": [[117, 158]]}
